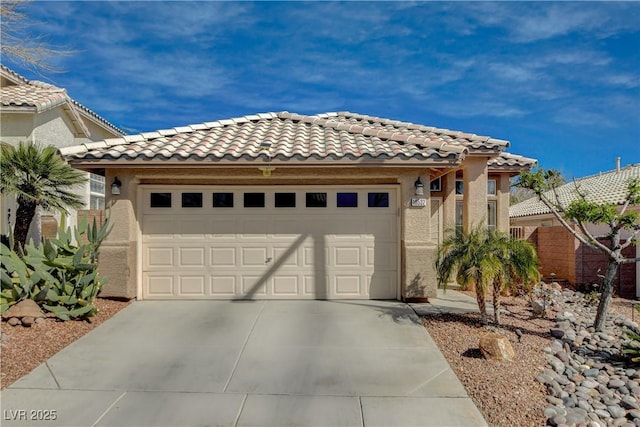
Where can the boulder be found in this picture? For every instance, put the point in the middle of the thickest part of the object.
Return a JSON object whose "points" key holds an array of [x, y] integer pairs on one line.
{"points": [[539, 307], [25, 308], [28, 321], [495, 346]]}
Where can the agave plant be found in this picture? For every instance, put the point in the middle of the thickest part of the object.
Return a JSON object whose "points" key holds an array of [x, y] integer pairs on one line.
{"points": [[61, 274]]}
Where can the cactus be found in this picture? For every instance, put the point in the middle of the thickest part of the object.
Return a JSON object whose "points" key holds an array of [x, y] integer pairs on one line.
{"points": [[61, 274]]}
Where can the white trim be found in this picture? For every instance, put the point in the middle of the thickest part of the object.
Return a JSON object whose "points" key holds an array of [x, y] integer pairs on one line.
{"points": [[400, 231], [139, 206]]}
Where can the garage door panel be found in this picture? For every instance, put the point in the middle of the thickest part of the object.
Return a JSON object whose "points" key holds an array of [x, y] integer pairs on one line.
{"points": [[158, 257], [382, 256], [191, 257], [224, 286], [252, 257], [382, 285], [348, 285], [286, 285], [349, 256], [254, 228], [156, 228], [192, 228], [253, 286], [223, 256], [270, 252], [158, 285], [224, 228], [288, 227], [191, 286], [384, 229], [286, 256], [313, 255], [315, 287]]}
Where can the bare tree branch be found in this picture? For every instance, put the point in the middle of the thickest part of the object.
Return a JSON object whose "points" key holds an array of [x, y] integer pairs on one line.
{"points": [[20, 48]]}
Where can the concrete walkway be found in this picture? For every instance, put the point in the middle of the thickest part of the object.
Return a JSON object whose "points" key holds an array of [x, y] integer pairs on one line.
{"points": [[450, 301], [266, 363]]}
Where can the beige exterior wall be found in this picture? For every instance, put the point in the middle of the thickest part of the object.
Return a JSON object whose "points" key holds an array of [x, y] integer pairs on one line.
{"points": [[475, 175], [120, 254], [119, 257], [503, 187]]}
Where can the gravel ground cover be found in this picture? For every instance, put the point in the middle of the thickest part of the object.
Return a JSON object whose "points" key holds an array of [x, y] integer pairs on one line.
{"points": [[23, 349], [507, 393]]}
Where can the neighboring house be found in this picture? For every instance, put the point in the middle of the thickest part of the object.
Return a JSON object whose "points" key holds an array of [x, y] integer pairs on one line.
{"points": [[33, 111], [562, 254], [282, 205]]}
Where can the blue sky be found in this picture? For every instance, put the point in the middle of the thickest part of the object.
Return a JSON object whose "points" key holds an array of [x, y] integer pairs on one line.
{"points": [[561, 81]]}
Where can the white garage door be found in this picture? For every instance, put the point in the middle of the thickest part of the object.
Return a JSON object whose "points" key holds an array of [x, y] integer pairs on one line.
{"points": [[266, 243]]}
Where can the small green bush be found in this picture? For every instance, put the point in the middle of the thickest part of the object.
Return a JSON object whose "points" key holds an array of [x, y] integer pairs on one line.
{"points": [[61, 274]]}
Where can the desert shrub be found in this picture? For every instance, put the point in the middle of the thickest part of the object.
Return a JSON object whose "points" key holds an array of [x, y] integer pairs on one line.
{"points": [[61, 274]]}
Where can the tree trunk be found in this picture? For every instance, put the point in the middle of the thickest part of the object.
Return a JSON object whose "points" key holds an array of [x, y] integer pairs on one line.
{"points": [[24, 215], [496, 302], [607, 292], [481, 304]]}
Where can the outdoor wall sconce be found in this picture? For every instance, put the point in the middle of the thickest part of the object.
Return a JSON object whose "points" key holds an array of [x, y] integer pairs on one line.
{"points": [[266, 171], [419, 187], [115, 187]]}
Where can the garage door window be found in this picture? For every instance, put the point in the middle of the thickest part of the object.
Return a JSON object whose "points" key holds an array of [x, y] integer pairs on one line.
{"points": [[316, 200], [285, 200], [347, 200], [378, 200], [160, 200], [222, 200], [254, 200], [191, 200]]}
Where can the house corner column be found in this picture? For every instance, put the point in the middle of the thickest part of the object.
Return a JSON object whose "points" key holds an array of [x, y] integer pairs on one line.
{"points": [[418, 251], [449, 202], [475, 176], [503, 194], [118, 253]]}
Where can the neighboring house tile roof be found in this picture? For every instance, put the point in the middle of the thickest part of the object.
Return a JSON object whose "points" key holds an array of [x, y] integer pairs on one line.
{"points": [[293, 136], [24, 94], [38, 95], [608, 187]]}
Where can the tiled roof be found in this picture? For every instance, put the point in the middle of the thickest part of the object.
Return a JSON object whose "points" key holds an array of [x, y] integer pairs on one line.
{"points": [[292, 136], [33, 94], [608, 187], [39, 95]]}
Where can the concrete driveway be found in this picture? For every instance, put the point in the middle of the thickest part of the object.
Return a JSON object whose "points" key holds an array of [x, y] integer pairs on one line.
{"points": [[261, 363]]}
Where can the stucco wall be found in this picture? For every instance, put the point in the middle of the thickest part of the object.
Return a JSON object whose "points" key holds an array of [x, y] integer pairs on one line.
{"points": [[119, 254]]}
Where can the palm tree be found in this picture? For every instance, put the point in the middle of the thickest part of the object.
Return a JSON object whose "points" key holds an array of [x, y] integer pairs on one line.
{"points": [[484, 258], [468, 256], [519, 265], [37, 176]]}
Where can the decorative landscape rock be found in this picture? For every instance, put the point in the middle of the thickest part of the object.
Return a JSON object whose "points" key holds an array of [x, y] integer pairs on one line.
{"points": [[495, 346], [25, 312], [588, 380]]}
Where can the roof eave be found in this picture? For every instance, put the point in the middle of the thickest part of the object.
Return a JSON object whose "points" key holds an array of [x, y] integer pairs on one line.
{"points": [[260, 162]]}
